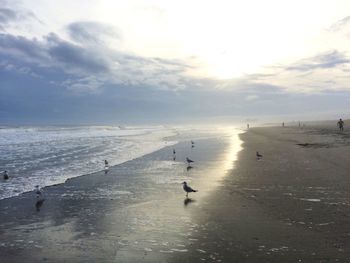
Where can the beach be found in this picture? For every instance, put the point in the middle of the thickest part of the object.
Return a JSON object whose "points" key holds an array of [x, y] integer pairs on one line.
{"points": [[292, 205], [134, 212]]}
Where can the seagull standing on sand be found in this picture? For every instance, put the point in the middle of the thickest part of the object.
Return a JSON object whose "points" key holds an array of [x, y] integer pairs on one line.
{"points": [[189, 161], [188, 189], [258, 155]]}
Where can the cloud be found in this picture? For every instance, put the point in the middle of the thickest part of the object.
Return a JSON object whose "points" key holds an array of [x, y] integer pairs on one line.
{"points": [[12, 14], [75, 58], [340, 24], [327, 60], [7, 14], [29, 50], [81, 76], [89, 58], [92, 32]]}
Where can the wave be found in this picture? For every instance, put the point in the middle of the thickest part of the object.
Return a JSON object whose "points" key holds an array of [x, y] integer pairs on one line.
{"points": [[50, 155]]}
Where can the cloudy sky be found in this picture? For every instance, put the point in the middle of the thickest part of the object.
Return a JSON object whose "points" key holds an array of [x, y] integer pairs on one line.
{"points": [[163, 61]]}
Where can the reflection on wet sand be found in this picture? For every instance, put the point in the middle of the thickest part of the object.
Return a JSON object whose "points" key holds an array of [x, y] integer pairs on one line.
{"points": [[187, 201], [39, 203], [189, 167]]}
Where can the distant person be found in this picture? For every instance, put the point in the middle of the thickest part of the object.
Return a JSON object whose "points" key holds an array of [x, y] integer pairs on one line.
{"points": [[38, 191], [341, 125], [39, 198], [106, 163], [174, 152], [282, 124], [6, 175], [248, 126]]}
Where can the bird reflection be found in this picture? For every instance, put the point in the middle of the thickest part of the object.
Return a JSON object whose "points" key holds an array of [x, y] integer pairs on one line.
{"points": [[39, 203], [187, 201], [189, 167]]}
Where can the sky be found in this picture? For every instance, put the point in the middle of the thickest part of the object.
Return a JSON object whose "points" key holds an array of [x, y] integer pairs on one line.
{"points": [[162, 61]]}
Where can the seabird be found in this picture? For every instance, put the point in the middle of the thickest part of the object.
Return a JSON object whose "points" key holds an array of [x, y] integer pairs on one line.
{"points": [[258, 155], [189, 160], [188, 189]]}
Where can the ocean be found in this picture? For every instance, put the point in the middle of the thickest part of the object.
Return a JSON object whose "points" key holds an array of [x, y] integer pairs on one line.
{"points": [[50, 155]]}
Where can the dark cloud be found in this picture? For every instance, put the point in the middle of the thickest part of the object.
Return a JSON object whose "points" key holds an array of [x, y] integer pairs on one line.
{"points": [[82, 61], [24, 48], [327, 60], [74, 57]]}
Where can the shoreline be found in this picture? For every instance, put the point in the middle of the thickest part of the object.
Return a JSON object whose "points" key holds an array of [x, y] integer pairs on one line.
{"points": [[137, 211], [167, 144]]}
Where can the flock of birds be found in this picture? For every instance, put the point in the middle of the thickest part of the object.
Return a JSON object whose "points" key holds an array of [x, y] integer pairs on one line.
{"points": [[186, 187], [189, 189]]}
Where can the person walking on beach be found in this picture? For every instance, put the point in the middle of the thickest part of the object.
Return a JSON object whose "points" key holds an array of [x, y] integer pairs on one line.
{"points": [[341, 125], [106, 163]]}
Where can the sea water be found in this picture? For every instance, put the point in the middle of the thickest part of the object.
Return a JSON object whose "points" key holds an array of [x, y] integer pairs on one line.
{"points": [[50, 155]]}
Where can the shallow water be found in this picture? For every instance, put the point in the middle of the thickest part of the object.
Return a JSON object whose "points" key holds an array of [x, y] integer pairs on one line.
{"points": [[137, 211], [50, 155]]}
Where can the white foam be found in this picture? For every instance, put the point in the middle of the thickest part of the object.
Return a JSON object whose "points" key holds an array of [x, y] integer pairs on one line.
{"points": [[51, 155], [311, 199]]}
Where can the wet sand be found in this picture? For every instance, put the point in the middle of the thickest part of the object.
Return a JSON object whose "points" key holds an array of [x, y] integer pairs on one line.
{"points": [[293, 205], [136, 212]]}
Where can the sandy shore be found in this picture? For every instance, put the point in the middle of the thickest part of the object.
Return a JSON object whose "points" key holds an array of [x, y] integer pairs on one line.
{"points": [[137, 212], [291, 206]]}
